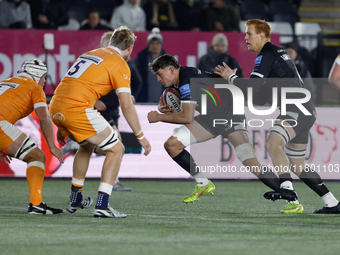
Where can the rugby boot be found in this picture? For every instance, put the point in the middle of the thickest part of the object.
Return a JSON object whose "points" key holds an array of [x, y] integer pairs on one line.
{"points": [[289, 195], [200, 191], [292, 208], [329, 210]]}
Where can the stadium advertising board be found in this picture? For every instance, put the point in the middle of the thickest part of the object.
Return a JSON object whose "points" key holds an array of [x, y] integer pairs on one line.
{"points": [[187, 47], [216, 157]]}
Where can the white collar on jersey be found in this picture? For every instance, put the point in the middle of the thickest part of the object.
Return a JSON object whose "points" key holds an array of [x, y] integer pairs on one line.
{"points": [[116, 49], [25, 74]]}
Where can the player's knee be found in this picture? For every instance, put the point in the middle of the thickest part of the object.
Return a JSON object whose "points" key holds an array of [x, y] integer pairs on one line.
{"points": [[172, 143], [271, 145], [117, 149], [35, 155], [297, 156], [268, 146], [184, 136], [244, 151], [121, 148], [28, 149], [110, 141], [279, 136]]}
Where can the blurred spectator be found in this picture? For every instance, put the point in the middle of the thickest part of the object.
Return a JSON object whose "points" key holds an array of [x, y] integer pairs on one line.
{"points": [[151, 91], [222, 17], [217, 54], [297, 3], [334, 74], [292, 50], [48, 14], [106, 7], [93, 22], [161, 14], [189, 14], [15, 14], [129, 14]]}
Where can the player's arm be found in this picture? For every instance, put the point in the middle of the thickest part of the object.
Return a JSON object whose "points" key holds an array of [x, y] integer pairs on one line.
{"points": [[99, 105], [186, 116], [261, 93], [334, 75], [46, 127], [130, 114]]}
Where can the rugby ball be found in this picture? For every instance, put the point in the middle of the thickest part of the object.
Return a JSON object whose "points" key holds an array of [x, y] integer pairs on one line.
{"points": [[172, 97]]}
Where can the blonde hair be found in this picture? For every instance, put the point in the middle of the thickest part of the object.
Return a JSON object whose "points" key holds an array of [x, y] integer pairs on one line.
{"points": [[122, 38], [105, 38], [261, 26]]}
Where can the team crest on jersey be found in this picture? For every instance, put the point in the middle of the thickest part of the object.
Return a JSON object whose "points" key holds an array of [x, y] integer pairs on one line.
{"points": [[285, 57], [184, 90], [258, 61]]}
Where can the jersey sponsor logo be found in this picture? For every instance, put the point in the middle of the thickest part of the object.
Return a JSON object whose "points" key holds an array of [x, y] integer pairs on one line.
{"points": [[258, 61], [185, 90], [285, 57], [58, 116], [126, 77], [95, 59]]}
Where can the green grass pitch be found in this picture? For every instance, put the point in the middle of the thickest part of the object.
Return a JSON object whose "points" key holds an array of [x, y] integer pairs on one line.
{"points": [[235, 220]]}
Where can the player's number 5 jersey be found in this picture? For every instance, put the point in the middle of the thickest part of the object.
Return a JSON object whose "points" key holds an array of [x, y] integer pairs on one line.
{"points": [[93, 75], [82, 64]]}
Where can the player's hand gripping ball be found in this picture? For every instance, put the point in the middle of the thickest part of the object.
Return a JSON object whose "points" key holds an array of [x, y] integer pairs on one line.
{"points": [[172, 97]]}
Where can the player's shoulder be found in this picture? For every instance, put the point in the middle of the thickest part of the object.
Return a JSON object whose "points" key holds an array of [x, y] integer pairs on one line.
{"points": [[188, 71], [268, 54], [193, 72], [108, 55], [270, 49]]}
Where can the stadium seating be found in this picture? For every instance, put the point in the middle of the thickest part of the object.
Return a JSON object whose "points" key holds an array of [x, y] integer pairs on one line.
{"points": [[254, 9], [105, 8], [77, 9], [73, 24], [290, 18], [283, 11], [102, 21], [306, 33], [284, 29], [242, 27]]}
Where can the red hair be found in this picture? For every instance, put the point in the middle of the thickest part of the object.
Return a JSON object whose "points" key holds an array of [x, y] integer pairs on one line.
{"points": [[261, 26]]}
